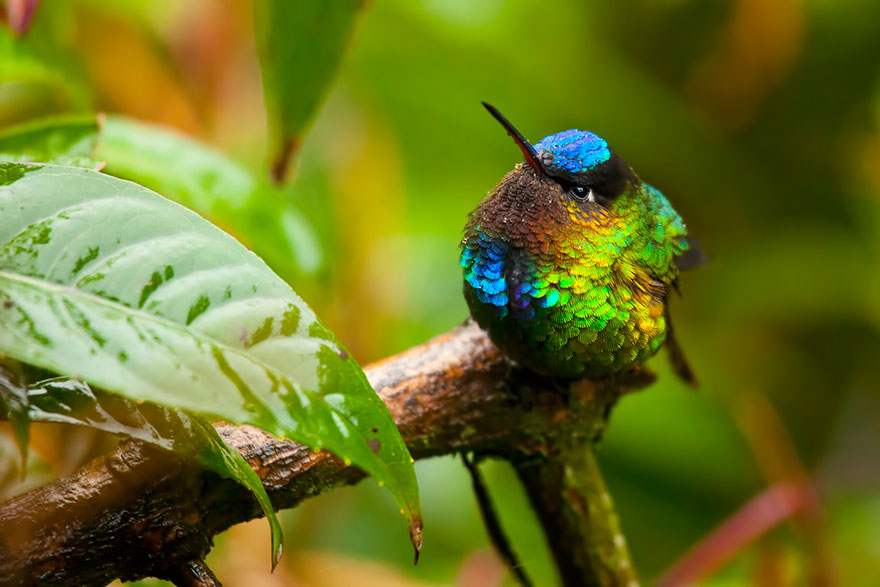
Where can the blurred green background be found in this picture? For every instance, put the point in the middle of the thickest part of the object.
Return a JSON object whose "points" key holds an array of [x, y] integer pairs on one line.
{"points": [[759, 119]]}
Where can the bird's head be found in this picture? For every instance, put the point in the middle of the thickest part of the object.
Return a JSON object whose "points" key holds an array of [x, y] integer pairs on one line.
{"points": [[570, 179], [573, 189]]}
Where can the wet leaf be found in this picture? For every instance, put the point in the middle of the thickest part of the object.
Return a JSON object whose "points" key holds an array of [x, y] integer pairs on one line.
{"points": [[300, 44], [212, 184], [103, 279], [64, 140], [189, 172], [73, 402], [14, 404]]}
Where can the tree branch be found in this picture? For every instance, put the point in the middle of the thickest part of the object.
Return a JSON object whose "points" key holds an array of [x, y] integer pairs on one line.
{"points": [[142, 512], [568, 494]]}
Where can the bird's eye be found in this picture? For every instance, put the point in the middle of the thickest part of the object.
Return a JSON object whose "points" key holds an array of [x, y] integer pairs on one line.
{"points": [[582, 193]]}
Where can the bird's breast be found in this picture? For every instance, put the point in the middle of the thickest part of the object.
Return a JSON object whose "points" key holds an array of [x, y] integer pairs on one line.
{"points": [[567, 310]]}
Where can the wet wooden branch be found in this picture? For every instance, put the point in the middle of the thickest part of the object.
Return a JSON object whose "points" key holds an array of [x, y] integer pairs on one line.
{"points": [[140, 512]]}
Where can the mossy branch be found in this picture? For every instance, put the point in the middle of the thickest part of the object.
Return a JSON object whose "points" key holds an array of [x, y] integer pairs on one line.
{"points": [[141, 512]]}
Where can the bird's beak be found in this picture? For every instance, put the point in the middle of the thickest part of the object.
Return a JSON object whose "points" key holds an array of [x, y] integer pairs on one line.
{"points": [[524, 146]]}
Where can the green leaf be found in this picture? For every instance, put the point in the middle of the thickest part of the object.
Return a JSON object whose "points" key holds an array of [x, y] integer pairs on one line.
{"points": [[73, 402], [104, 279], [300, 44], [64, 140], [212, 184], [16, 477], [14, 404], [31, 83], [197, 176], [18, 64]]}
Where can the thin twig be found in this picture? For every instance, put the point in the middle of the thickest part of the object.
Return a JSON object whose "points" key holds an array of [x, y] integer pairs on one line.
{"points": [[493, 523]]}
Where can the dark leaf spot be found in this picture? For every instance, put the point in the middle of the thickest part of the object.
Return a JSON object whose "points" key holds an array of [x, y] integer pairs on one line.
{"points": [[90, 278], [251, 403], [29, 323], [12, 172], [290, 320], [82, 261], [261, 333], [43, 236], [197, 309], [149, 288], [375, 444], [81, 320]]}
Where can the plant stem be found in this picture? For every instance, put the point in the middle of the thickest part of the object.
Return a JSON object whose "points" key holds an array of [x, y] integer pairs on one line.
{"points": [[493, 523], [568, 494]]}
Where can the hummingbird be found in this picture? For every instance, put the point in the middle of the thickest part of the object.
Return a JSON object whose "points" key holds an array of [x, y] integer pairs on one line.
{"points": [[569, 261]]}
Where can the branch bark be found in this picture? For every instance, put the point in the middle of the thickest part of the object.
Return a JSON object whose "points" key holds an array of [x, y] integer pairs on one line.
{"points": [[568, 493], [142, 512]]}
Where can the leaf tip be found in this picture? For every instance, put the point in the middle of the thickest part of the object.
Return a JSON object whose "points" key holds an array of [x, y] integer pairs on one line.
{"points": [[23, 453], [276, 556], [415, 536], [280, 169]]}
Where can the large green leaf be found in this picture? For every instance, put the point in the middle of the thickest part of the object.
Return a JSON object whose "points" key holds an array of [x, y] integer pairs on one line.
{"points": [[104, 279], [180, 168], [300, 43], [72, 401], [66, 140], [212, 184]]}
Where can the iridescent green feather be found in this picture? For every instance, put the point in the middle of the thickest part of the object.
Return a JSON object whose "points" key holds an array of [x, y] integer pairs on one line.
{"points": [[570, 289]]}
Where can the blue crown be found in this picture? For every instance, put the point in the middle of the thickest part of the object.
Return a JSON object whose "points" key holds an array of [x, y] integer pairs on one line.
{"points": [[572, 151]]}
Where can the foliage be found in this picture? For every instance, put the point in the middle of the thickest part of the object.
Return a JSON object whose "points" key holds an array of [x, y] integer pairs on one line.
{"points": [[759, 120], [301, 44], [64, 140], [72, 401], [214, 185], [104, 280]]}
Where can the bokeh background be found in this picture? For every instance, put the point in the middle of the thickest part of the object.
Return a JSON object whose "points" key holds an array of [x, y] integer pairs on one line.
{"points": [[760, 119]]}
